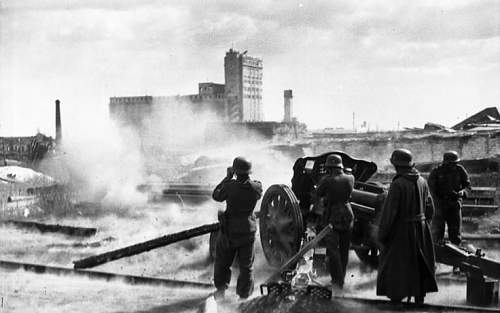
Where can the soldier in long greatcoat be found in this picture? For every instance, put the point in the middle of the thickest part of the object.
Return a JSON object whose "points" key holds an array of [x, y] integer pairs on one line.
{"points": [[406, 264]]}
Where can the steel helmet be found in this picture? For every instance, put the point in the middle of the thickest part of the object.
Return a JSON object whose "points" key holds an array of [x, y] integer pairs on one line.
{"points": [[334, 160], [450, 157], [402, 157], [242, 165]]}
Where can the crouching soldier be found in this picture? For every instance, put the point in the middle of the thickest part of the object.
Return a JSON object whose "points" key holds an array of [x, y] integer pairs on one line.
{"points": [[238, 226]]}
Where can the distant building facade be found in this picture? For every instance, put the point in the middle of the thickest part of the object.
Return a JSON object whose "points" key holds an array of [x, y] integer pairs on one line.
{"points": [[243, 78], [238, 100], [130, 110], [27, 149], [134, 110]]}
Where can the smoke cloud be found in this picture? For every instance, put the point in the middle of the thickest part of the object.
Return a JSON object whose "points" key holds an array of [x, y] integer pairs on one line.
{"points": [[104, 161]]}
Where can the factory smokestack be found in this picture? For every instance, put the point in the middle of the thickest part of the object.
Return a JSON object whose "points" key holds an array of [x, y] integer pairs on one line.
{"points": [[288, 106], [58, 123]]}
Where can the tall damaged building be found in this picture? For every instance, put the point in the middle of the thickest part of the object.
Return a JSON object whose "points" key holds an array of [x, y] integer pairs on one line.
{"points": [[243, 92]]}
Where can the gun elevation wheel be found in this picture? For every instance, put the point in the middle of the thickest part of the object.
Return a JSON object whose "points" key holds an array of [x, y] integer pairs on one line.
{"points": [[281, 226]]}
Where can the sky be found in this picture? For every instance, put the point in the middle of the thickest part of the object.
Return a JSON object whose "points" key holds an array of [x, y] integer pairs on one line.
{"points": [[389, 63]]}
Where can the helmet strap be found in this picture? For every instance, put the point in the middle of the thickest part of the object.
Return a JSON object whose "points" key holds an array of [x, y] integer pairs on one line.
{"points": [[242, 177]]}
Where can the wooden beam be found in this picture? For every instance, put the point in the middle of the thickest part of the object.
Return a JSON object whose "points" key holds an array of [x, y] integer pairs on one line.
{"points": [[481, 236], [52, 228], [130, 279], [145, 246]]}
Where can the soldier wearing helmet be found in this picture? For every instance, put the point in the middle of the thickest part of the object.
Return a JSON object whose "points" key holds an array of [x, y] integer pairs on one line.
{"points": [[406, 263], [335, 190], [238, 226], [448, 183]]}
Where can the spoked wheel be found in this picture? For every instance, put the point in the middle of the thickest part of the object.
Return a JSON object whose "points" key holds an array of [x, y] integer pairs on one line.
{"points": [[281, 226]]}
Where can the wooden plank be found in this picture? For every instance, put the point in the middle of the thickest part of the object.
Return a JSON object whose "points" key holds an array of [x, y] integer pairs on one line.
{"points": [[484, 189], [130, 279], [145, 246], [477, 209], [480, 237], [52, 228], [485, 207]]}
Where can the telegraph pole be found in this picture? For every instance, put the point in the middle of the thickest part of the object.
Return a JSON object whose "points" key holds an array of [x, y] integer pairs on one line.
{"points": [[354, 121]]}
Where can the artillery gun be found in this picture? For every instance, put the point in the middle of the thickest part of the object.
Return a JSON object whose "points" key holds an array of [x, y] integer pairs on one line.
{"points": [[284, 210]]}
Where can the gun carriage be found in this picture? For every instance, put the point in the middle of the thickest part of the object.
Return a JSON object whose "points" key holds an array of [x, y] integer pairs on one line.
{"points": [[284, 210]]}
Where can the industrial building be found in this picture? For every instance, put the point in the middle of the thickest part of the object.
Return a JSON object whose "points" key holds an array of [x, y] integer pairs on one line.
{"points": [[30, 149], [27, 149], [238, 100], [243, 89], [133, 110]]}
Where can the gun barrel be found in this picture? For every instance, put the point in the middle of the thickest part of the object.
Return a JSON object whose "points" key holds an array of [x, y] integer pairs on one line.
{"points": [[362, 210], [368, 199]]}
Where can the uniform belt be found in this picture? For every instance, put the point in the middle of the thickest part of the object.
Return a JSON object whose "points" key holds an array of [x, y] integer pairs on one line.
{"points": [[417, 218], [449, 196]]}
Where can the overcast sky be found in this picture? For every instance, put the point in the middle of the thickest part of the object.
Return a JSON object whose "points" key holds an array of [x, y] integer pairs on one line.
{"points": [[387, 61]]}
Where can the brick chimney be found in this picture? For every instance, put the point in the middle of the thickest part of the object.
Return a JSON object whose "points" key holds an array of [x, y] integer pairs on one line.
{"points": [[288, 105], [58, 123]]}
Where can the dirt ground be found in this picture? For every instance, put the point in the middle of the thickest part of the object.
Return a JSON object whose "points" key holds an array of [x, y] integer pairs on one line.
{"points": [[29, 292], [121, 226]]}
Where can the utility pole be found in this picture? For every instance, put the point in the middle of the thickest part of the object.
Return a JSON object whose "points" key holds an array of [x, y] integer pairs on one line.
{"points": [[354, 121]]}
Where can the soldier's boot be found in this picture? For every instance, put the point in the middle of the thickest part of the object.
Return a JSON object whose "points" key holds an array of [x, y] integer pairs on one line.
{"points": [[220, 294], [396, 300], [419, 299]]}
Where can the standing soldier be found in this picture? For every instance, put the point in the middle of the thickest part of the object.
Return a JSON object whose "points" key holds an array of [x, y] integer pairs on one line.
{"points": [[238, 227], [448, 183], [406, 264], [336, 188]]}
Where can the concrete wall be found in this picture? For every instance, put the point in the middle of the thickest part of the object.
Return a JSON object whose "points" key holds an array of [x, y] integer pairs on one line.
{"points": [[426, 148]]}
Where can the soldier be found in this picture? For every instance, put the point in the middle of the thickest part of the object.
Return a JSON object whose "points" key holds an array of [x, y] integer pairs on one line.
{"points": [[238, 227], [406, 263], [448, 183], [336, 188]]}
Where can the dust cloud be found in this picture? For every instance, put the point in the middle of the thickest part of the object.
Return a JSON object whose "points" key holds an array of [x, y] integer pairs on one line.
{"points": [[106, 160], [103, 162]]}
